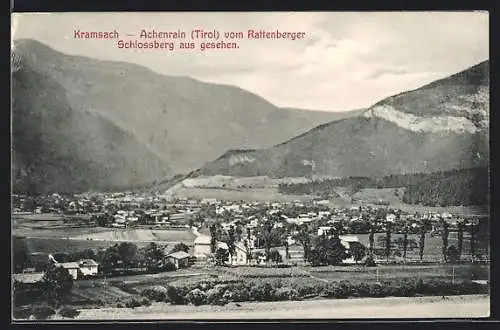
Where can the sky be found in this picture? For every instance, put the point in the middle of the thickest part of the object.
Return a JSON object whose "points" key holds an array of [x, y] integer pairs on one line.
{"points": [[346, 60]]}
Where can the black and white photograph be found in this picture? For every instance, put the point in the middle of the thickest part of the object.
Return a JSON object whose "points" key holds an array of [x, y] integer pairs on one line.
{"points": [[250, 166]]}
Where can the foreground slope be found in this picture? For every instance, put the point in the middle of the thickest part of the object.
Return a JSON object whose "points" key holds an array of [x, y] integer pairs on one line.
{"points": [[441, 126], [185, 121], [56, 147]]}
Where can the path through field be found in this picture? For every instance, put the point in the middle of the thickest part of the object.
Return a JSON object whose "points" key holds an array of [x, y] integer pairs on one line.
{"points": [[421, 307]]}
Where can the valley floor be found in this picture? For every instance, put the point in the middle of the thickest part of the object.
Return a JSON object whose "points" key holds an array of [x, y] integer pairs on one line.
{"points": [[473, 306]]}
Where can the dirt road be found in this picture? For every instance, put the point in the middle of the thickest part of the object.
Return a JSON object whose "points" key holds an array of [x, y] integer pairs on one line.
{"points": [[422, 307]]}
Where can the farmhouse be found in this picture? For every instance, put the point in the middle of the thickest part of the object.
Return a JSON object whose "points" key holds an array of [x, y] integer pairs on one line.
{"points": [[72, 268], [202, 246], [180, 259], [88, 267], [27, 278]]}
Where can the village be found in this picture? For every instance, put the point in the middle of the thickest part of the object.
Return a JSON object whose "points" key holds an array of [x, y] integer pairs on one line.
{"points": [[248, 233]]}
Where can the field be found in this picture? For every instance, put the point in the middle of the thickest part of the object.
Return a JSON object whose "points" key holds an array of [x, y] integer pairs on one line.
{"points": [[141, 235], [433, 245], [381, 273], [49, 233]]}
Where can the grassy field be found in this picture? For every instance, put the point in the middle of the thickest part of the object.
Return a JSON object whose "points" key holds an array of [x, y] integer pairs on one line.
{"points": [[59, 245], [137, 235], [433, 244], [381, 273]]}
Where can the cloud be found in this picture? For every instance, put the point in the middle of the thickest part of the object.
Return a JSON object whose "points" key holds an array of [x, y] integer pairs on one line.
{"points": [[388, 71], [347, 60]]}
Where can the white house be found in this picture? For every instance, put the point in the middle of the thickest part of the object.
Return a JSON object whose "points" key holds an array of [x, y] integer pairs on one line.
{"points": [[72, 268], [88, 267], [240, 255], [202, 247], [390, 217], [180, 259]]}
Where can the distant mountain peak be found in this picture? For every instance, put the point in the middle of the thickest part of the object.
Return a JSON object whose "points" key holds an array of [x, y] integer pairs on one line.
{"points": [[440, 126]]}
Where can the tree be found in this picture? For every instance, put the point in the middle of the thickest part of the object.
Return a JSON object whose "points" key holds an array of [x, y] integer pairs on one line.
{"points": [[180, 247], [452, 254], [275, 256], [221, 257], [421, 243], [56, 284], [372, 238], [327, 250], [127, 252], [305, 240], [287, 250], [472, 232], [231, 241], [20, 254], [405, 243], [247, 250], [154, 256], [238, 233], [268, 227], [444, 238], [388, 240], [357, 251], [83, 254], [110, 259], [460, 237], [213, 238]]}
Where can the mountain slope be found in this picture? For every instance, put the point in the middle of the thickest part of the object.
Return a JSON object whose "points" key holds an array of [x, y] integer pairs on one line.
{"points": [[59, 148], [441, 126], [185, 121]]}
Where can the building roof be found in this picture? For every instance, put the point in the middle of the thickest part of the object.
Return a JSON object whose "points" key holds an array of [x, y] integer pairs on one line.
{"points": [[179, 255], [68, 265], [27, 278], [89, 262], [202, 239], [222, 245], [349, 238]]}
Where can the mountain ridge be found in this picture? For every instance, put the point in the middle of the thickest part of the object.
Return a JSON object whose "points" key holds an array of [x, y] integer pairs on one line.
{"points": [[186, 121], [376, 144]]}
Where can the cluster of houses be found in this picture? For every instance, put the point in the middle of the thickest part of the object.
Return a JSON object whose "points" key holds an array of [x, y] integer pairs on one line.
{"points": [[81, 269]]}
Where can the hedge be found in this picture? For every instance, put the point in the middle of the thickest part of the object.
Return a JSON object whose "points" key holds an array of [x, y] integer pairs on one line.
{"points": [[222, 293]]}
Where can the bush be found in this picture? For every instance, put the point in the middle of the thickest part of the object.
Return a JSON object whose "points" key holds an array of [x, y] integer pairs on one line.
{"points": [[119, 305], [132, 303], [370, 262], [262, 292], [42, 312], [21, 313], [169, 267], [69, 312], [145, 301], [215, 295], [240, 293], [173, 296], [286, 293], [157, 293], [124, 287], [340, 290], [196, 297]]}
